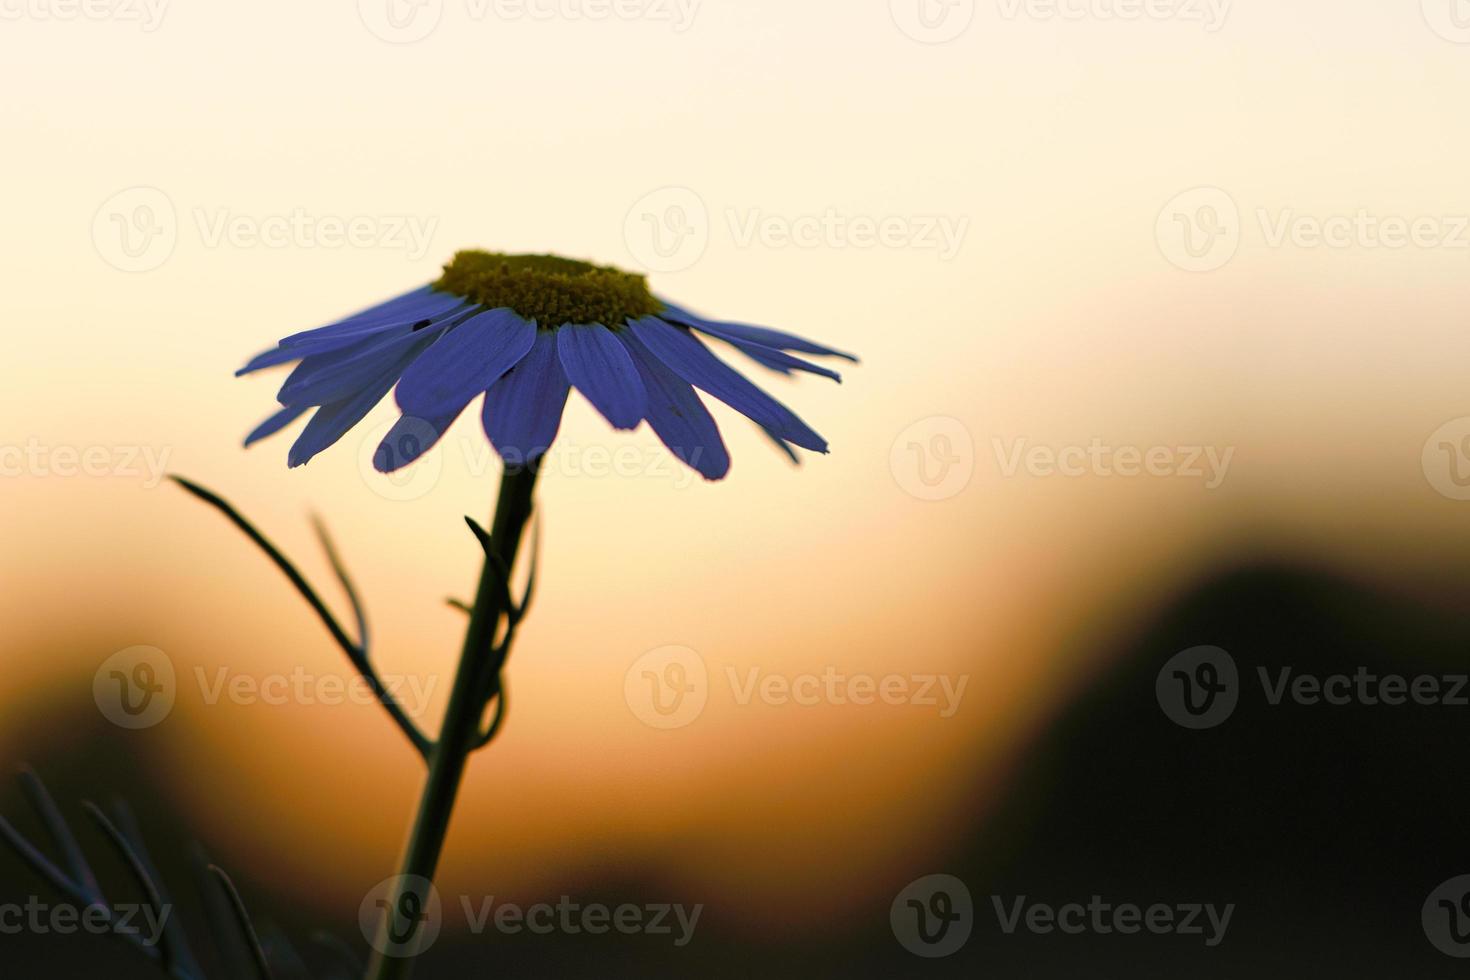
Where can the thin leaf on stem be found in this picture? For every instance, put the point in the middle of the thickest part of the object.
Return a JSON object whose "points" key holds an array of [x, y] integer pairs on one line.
{"points": [[501, 707], [242, 920], [65, 840], [357, 651], [143, 880]]}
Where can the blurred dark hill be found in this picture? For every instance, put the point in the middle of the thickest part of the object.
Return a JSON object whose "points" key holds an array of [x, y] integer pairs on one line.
{"points": [[1326, 826]]}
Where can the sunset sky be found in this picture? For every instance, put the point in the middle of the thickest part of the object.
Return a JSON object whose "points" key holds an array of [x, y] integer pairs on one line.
{"points": [[1006, 226]]}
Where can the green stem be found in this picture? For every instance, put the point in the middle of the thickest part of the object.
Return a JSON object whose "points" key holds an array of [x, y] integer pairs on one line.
{"points": [[475, 683]]}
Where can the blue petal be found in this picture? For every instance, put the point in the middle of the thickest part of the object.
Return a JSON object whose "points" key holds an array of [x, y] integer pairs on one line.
{"points": [[421, 304], [331, 422], [782, 445], [325, 378], [331, 341], [678, 416], [681, 351], [764, 336], [397, 304], [409, 439], [776, 360], [465, 362], [523, 409], [284, 355], [276, 423], [601, 369]]}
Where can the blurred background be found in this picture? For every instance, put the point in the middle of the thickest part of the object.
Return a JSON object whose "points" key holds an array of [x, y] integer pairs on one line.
{"points": [[1161, 310]]}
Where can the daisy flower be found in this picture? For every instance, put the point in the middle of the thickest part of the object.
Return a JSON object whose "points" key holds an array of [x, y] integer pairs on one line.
{"points": [[523, 330]]}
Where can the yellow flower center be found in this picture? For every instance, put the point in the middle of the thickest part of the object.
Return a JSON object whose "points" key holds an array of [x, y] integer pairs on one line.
{"points": [[549, 289]]}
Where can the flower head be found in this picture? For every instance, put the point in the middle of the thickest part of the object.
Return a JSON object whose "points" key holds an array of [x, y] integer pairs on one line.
{"points": [[523, 330]]}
